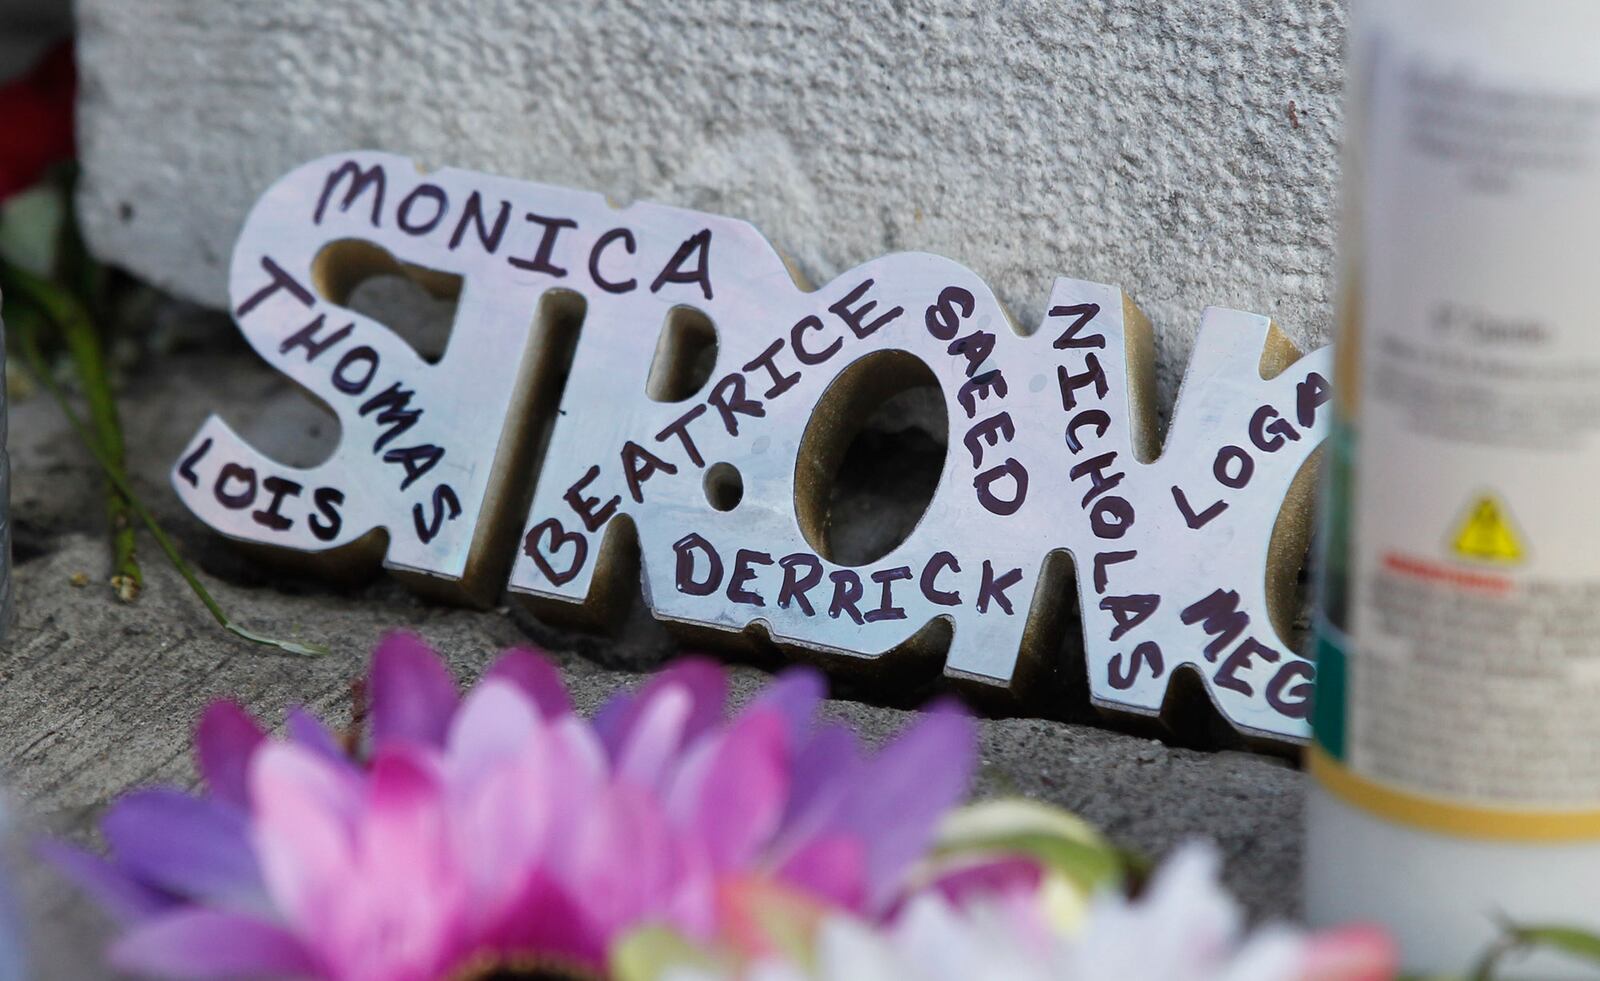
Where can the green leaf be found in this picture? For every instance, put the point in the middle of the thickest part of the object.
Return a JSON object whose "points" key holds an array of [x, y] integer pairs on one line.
{"points": [[26, 321], [1089, 867], [30, 228], [648, 954], [1573, 941], [1056, 839], [33, 297], [1014, 815]]}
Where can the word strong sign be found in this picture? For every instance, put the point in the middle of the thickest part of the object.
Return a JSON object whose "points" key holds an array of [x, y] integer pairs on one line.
{"points": [[1184, 554]]}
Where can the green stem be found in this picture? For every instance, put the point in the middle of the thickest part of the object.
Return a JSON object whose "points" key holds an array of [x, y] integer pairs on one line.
{"points": [[1489, 962], [27, 320], [1519, 938], [88, 357]]}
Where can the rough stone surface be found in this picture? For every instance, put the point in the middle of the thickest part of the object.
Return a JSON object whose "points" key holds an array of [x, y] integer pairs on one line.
{"points": [[100, 696], [1183, 150]]}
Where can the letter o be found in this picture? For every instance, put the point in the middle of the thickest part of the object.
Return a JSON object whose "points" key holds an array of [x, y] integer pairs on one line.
{"points": [[238, 500], [441, 203], [341, 379], [1233, 467], [1111, 516]]}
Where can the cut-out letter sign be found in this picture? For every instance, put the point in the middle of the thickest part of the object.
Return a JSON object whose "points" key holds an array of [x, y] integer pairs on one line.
{"points": [[568, 369]]}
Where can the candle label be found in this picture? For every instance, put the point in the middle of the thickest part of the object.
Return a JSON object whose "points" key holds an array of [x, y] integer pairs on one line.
{"points": [[569, 369], [1459, 636]]}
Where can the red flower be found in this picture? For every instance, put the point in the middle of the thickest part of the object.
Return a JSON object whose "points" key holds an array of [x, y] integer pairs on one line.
{"points": [[36, 120]]}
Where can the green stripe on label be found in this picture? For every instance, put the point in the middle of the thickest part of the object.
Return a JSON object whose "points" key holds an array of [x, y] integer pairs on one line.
{"points": [[1328, 708]]}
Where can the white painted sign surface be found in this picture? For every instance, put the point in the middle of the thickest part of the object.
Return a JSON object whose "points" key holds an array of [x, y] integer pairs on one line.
{"points": [[1052, 436]]}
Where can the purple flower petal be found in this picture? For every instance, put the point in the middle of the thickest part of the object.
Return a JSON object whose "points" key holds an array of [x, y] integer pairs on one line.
{"points": [[508, 802], [988, 877], [192, 846], [413, 695], [402, 782], [494, 723], [625, 861], [411, 883], [309, 732], [202, 943], [540, 680], [612, 717], [306, 810], [655, 739], [545, 917], [224, 742], [833, 868], [578, 765], [306, 729], [124, 898], [732, 792], [899, 795], [794, 695], [820, 776], [706, 683]]}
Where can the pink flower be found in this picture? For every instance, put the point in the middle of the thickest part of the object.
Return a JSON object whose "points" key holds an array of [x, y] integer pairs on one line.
{"points": [[504, 829], [1359, 952]]}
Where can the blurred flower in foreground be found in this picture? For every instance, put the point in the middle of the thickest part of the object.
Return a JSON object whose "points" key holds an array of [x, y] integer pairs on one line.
{"points": [[503, 832], [36, 120], [1184, 927]]}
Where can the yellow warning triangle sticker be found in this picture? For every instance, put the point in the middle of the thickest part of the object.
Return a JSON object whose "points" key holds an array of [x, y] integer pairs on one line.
{"points": [[1487, 534]]}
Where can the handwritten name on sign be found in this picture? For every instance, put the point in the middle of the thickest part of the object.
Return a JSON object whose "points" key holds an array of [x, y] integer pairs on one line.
{"points": [[1178, 550]]}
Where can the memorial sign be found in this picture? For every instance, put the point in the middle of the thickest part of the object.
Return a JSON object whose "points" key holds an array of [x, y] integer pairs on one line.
{"points": [[581, 318]]}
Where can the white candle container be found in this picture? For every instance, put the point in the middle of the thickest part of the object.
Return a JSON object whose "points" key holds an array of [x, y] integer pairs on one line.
{"points": [[1456, 759]]}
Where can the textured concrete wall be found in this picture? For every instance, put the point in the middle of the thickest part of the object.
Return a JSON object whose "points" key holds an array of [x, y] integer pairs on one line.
{"points": [[1183, 150]]}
